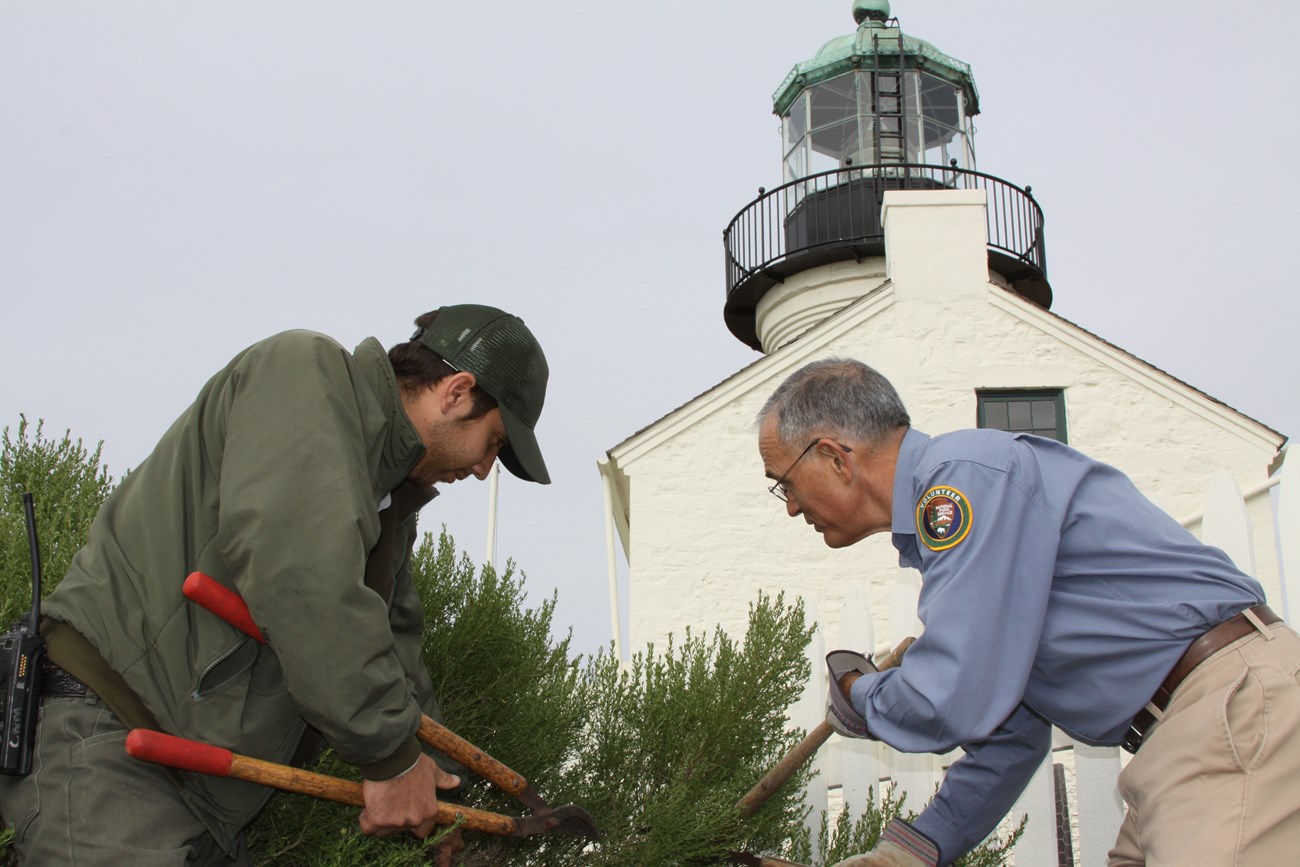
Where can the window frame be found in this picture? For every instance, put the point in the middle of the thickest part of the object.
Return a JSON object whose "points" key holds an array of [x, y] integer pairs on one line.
{"points": [[984, 396]]}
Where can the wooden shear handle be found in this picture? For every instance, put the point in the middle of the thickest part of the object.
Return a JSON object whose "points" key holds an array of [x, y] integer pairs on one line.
{"points": [[165, 749]]}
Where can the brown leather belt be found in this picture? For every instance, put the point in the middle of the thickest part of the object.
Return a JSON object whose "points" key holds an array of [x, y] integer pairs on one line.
{"points": [[1230, 630]]}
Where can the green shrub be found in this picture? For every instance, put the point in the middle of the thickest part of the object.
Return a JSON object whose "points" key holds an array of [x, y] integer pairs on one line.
{"points": [[68, 485], [676, 738]]}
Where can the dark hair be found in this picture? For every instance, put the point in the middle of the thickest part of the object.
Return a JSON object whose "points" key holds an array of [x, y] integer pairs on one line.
{"points": [[418, 368]]}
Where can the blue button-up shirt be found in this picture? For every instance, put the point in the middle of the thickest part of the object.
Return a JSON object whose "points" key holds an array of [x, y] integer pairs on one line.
{"points": [[1052, 592]]}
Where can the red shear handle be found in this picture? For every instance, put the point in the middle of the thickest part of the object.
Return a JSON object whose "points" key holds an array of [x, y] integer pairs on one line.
{"points": [[221, 601], [165, 749]]}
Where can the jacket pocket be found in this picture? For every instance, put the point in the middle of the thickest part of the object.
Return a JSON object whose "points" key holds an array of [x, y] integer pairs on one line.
{"points": [[227, 668]]}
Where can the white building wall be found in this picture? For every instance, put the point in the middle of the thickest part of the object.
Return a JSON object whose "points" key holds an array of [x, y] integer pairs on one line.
{"points": [[704, 536]]}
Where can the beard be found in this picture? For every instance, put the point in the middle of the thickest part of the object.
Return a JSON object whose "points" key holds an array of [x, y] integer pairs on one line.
{"points": [[428, 470], [444, 455], [434, 466]]}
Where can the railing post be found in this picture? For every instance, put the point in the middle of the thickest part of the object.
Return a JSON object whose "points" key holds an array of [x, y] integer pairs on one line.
{"points": [[1038, 844], [1099, 806], [1040, 242]]}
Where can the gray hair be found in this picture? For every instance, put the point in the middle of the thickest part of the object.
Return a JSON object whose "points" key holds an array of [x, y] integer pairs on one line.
{"points": [[835, 397]]}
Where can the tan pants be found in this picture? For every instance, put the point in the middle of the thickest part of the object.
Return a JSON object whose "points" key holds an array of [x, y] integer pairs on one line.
{"points": [[1217, 781]]}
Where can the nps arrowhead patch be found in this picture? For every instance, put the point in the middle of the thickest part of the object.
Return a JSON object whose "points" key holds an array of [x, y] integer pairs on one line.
{"points": [[943, 518]]}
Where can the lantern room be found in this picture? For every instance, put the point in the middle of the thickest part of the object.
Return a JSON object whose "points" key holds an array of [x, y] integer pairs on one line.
{"points": [[872, 111], [876, 97]]}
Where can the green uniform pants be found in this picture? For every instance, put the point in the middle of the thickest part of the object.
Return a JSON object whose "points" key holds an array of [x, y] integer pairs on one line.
{"points": [[86, 803], [1215, 781]]}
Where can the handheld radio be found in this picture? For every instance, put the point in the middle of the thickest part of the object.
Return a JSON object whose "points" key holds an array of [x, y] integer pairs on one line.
{"points": [[21, 651]]}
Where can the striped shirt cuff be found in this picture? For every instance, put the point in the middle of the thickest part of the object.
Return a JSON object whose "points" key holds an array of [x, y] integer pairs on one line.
{"points": [[911, 841]]}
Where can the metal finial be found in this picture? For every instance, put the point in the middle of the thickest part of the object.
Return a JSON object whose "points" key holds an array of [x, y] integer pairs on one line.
{"points": [[875, 10]]}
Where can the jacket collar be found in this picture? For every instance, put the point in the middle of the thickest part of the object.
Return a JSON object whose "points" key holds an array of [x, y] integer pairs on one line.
{"points": [[399, 444]]}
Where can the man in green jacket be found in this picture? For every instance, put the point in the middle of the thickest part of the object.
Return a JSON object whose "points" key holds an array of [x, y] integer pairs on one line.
{"points": [[295, 478]]}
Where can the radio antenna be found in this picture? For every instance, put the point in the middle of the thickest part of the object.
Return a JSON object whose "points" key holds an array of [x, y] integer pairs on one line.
{"points": [[35, 546]]}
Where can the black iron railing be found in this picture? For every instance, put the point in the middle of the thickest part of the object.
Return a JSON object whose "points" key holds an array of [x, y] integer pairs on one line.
{"points": [[836, 215]]}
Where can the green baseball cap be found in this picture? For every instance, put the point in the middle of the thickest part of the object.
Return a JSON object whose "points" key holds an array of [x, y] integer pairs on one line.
{"points": [[509, 365]]}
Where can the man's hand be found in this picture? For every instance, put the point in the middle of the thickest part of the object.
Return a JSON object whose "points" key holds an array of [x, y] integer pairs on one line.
{"points": [[900, 845], [408, 802]]}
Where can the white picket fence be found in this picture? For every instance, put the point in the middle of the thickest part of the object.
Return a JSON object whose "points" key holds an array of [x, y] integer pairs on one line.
{"points": [[1072, 802]]}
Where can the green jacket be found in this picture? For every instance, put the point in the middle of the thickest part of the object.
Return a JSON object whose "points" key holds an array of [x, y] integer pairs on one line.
{"points": [[285, 480]]}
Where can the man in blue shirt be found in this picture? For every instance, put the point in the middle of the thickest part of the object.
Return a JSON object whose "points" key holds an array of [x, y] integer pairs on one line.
{"points": [[1053, 593]]}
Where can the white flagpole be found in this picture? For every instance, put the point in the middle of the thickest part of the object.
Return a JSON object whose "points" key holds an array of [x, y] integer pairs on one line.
{"points": [[494, 477]]}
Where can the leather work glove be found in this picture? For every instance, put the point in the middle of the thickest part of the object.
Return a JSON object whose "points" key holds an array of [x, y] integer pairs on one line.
{"points": [[840, 713], [900, 845]]}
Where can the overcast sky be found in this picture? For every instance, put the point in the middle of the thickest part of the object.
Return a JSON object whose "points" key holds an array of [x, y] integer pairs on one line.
{"points": [[181, 179]]}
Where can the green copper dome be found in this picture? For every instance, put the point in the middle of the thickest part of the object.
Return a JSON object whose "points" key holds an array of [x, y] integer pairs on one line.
{"points": [[874, 45]]}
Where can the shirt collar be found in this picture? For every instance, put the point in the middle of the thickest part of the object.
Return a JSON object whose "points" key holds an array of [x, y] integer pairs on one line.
{"points": [[909, 456]]}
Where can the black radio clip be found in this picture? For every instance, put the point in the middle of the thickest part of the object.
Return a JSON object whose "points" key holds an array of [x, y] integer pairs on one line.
{"points": [[22, 650]]}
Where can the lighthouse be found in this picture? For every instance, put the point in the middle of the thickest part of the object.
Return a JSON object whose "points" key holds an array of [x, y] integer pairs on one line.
{"points": [[883, 242], [873, 111]]}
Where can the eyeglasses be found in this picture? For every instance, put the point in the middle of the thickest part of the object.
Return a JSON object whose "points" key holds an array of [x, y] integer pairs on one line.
{"points": [[780, 489]]}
